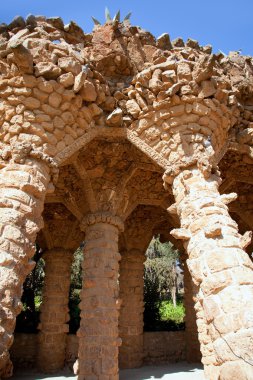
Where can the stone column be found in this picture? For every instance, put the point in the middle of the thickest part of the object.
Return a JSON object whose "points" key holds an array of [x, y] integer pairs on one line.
{"points": [[98, 333], [131, 312], [54, 311], [22, 192], [193, 354], [222, 273]]}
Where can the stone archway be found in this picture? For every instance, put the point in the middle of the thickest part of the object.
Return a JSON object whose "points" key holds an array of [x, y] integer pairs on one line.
{"points": [[182, 108], [98, 190]]}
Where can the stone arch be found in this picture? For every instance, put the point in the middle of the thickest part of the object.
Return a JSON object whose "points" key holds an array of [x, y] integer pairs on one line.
{"points": [[53, 199], [181, 106]]}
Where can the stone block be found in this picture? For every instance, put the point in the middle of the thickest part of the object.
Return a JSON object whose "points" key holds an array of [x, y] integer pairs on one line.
{"points": [[68, 64], [88, 91]]}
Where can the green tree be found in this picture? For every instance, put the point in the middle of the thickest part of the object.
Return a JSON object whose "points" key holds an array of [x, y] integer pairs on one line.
{"points": [[160, 284], [161, 268]]}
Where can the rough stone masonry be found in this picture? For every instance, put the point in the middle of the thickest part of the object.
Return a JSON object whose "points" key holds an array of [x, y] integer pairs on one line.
{"points": [[107, 137]]}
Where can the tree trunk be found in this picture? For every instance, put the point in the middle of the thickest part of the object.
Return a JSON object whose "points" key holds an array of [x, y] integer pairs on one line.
{"points": [[174, 287]]}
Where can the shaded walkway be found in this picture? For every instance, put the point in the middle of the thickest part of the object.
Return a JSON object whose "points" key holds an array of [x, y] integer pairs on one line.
{"points": [[178, 371]]}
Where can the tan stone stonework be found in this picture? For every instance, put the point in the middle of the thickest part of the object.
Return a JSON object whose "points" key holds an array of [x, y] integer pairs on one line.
{"points": [[23, 189], [91, 128], [131, 313], [158, 347], [219, 267], [98, 334], [193, 354], [54, 311]]}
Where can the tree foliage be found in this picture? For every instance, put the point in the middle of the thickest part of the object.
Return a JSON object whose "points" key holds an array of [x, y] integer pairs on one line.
{"points": [[75, 289], [160, 283], [28, 319], [160, 267], [168, 312]]}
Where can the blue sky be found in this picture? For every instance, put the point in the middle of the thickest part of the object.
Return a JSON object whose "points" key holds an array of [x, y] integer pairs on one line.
{"points": [[225, 24]]}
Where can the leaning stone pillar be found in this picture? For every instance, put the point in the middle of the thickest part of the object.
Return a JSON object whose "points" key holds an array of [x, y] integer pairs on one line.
{"points": [[98, 333], [22, 192], [54, 311], [222, 272], [191, 332], [131, 312]]}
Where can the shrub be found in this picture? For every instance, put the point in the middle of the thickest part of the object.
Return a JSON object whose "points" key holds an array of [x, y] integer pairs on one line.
{"points": [[167, 312], [37, 302], [161, 280]]}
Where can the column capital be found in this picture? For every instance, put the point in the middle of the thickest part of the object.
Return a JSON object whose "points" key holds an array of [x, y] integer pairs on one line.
{"points": [[102, 217], [205, 164]]}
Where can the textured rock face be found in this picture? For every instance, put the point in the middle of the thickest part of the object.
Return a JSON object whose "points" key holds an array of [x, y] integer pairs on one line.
{"points": [[89, 123], [219, 267], [193, 354], [23, 189]]}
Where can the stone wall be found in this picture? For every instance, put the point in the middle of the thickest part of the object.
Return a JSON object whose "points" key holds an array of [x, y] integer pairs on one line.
{"points": [[164, 347], [159, 347], [23, 351]]}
